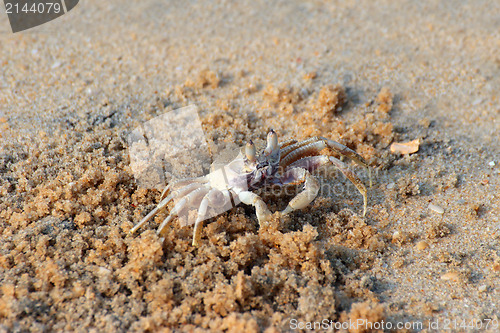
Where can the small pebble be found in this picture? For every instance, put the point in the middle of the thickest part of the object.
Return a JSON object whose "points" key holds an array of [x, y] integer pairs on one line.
{"points": [[422, 245], [103, 271], [405, 147], [390, 186], [482, 288], [437, 209], [454, 276], [491, 164], [477, 101]]}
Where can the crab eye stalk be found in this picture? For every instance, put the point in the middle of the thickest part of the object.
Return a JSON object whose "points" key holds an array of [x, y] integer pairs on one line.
{"points": [[250, 151], [272, 142]]}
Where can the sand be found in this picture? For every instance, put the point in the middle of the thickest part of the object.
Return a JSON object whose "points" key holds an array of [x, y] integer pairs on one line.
{"points": [[364, 73]]}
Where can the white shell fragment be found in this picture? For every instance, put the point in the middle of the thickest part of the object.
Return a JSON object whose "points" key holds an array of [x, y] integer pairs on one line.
{"points": [[436, 208], [451, 276], [405, 147]]}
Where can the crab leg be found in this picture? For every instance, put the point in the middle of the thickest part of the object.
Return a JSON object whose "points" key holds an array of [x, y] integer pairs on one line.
{"points": [[287, 143], [349, 153], [182, 192], [250, 198], [295, 176], [308, 149], [163, 203], [181, 205], [202, 211], [313, 146], [183, 183], [353, 178], [311, 163], [288, 148]]}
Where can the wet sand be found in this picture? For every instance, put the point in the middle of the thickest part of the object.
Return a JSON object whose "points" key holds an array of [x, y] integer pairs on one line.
{"points": [[366, 74]]}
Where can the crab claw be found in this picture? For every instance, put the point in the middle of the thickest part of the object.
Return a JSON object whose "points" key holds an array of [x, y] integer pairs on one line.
{"points": [[272, 142], [250, 151]]}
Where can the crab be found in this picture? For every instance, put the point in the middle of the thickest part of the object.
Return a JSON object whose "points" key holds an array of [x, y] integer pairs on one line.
{"points": [[290, 162]]}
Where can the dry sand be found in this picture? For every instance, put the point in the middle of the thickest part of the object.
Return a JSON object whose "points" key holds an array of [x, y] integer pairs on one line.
{"points": [[71, 90]]}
